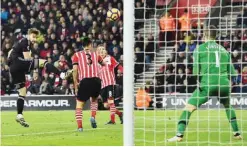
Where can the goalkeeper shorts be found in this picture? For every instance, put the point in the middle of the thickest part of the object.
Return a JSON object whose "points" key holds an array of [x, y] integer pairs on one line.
{"points": [[202, 94]]}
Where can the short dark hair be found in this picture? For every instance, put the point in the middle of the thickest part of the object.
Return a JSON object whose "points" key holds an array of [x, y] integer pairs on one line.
{"points": [[33, 31], [185, 10], [211, 32], [86, 41]]}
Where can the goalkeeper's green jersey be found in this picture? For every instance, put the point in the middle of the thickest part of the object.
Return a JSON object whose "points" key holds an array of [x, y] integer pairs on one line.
{"points": [[212, 62]]}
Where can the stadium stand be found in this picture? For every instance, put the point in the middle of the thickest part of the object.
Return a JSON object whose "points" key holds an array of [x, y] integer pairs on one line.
{"points": [[63, 24], [71, 20]]}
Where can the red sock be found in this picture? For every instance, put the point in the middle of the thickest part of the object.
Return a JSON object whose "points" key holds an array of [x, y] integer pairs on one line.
{"points": [[118, 112], [78, 117], [94, 108], [112, 112]]}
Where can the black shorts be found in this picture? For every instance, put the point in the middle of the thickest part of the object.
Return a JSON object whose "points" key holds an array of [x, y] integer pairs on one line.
{"points": [[108, 91], [18, 68], [88, 87]]}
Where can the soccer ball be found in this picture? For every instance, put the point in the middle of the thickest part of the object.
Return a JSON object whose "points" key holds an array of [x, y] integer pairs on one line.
{"points": [[113, 14]]}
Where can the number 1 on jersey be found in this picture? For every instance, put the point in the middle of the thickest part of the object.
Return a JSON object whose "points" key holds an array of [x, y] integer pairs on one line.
{"points": [[217, 59]]}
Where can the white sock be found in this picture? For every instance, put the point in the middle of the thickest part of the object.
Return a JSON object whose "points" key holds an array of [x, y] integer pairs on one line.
{"points": [[19, 116]]}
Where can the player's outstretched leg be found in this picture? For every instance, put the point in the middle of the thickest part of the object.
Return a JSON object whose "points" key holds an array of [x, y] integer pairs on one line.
{"points": [[182, 123], [79, 114], [49, 67], [20, 106], [196, 100], [231, 116], [94, 108]]}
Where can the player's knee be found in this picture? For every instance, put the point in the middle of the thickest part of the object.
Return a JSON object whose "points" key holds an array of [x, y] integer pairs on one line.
{"points": [[79, 104], [190, 107], [106, 105], [229, 108], [227, 105], [22, 91], [110, 100]]}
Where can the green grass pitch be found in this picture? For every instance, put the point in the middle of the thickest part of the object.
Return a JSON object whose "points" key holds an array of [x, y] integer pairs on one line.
{"points": [[207, 127], [50, 128]]}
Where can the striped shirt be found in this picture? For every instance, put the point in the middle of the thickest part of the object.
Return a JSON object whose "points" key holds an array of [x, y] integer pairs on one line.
{"points": [[107, 74], [87, 64]]}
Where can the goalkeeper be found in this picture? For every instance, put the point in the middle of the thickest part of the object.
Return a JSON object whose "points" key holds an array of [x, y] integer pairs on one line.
{"points": [[213, 67]]}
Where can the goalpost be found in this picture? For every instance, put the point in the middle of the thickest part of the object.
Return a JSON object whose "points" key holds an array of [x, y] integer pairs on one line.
{"points": [[128, 81], [171, 61]]}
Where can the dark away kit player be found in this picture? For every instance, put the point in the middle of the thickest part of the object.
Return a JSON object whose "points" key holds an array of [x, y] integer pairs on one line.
{"points": [[20, 61]]}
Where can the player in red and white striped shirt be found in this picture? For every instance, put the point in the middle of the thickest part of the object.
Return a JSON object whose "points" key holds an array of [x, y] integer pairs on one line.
{"points": [[86, 70], [107, 75]]}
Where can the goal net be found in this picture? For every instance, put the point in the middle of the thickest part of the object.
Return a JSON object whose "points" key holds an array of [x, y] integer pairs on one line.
{"points": [[167, 33]]}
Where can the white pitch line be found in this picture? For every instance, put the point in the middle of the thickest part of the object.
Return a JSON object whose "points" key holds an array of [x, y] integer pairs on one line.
{"points": [[41, 133], [55, 132]]}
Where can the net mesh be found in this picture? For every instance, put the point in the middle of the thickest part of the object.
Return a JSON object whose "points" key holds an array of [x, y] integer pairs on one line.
{"points": [[167, 34]]}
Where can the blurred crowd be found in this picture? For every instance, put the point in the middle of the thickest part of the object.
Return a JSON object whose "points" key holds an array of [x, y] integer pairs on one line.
{"points": [[176, 74], [62, 24], [242, 19]]}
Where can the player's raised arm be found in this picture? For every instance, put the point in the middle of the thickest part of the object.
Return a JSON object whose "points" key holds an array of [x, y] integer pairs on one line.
{"points": [[120, 67], [116, 65]]}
